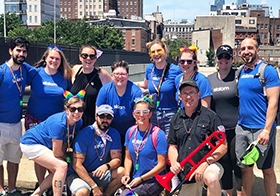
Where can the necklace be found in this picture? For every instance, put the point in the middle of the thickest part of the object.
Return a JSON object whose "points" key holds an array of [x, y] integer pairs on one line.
{"points": [[189, 130], [157, 88], [141, 145], [100, 145], [15, 80], [70, 137]]}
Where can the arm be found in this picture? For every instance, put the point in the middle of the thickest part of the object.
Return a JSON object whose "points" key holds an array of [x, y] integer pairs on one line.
{"points": [[157, 169], [75, 69], [57, 146], [127, 167], [206, 101], [272, 97], [104, 76], [78, 159], [173, 157], [142, 84]]}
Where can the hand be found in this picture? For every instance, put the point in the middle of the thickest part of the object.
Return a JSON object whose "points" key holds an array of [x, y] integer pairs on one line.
{"points": [[176, 168], [263, 137], [100, 171], [125, 179], [135, 182], [198, 173], [96, 191]]}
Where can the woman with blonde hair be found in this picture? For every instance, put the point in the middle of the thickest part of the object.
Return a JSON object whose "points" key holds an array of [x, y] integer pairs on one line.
{"points": [[160, 81]]}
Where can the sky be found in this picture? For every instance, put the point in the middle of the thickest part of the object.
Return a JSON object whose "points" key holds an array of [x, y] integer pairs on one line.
{"points": [[187, 9]]}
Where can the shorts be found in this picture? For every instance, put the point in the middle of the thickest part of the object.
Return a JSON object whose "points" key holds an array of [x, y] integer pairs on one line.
{"points": [[75, 183], [34, 150], [245, 136], [195, 189], [162, 118], [10, 134], [148, 187]]}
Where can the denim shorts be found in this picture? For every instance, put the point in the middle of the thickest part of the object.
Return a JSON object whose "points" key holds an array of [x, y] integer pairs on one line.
{"points": [[162, 118], [75, 183]]}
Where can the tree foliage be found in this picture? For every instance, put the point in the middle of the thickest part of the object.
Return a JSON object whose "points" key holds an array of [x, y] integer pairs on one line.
{"points": [[175, 45], [67, 32], [210, 54]]}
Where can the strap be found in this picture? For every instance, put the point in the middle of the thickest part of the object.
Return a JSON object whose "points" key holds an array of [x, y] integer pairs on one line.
{"points": [[261, 76], [131, 131], [79, 71]]}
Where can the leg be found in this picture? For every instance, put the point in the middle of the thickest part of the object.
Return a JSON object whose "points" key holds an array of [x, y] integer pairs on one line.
{"points": [[82, 192], [117, 174], [247, 181], [211, 178], [12, 169], [269, 181], [40, 172], [1, 178]]}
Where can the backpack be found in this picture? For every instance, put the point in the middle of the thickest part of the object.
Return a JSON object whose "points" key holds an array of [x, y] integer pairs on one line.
{"points": [[259, 75], [155, 131]]}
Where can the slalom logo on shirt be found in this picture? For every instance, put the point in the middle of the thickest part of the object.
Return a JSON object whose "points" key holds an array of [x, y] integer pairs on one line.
{"points": [[119, 107], [247, 76], [218, 89], [45, 83], [98, 146]]}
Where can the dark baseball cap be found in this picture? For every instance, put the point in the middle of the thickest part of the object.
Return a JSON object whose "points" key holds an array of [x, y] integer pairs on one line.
{"points": [[224, 49], [188, 82]]}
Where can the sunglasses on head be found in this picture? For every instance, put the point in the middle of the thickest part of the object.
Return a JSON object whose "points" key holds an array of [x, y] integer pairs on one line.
{"points": [[189, 61], [91, 56], [158, 51], [224, 56], [73, 109], [141, 111], [54, 47], [103, 116]]}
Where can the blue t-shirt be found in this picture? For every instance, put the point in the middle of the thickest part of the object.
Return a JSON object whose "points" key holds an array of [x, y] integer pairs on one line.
{"points": [[89, 144], [147, 159], [54, 127], [46, 96], [202, 82], [167, 89], [122, 105], [10, 108], [253, 103]]}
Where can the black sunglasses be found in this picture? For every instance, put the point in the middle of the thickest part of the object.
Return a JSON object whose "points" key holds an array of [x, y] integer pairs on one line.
{"points": [[91, 56], [73, 109], [189, 61], [102, 116], [225, 56]]}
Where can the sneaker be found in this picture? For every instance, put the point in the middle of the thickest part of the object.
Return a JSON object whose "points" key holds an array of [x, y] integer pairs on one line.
{"points": [[16, 193]]}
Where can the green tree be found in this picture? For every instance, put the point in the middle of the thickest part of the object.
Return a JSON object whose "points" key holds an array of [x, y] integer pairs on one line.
{"points": [[175, 45], [210, 53], [12, 22]]}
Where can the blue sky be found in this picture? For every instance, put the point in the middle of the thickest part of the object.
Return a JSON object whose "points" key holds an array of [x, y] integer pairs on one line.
{"points": [[187, 9]]}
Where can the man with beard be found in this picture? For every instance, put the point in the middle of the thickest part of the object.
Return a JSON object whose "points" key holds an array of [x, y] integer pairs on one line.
{"points": [[97, 157], [15, 75], [257, 111]]}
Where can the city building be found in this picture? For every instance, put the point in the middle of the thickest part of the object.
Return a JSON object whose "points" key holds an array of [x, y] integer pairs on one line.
{"points": [[219, 4], [18, 7], [240, 2], [174, 30]]}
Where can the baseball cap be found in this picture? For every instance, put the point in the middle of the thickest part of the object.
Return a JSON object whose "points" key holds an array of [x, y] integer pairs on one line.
{"points": [[251, 154], [224, 49], [188, 82], [105, 109]]}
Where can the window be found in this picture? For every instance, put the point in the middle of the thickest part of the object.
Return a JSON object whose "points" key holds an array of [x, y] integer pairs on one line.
{"points": [[35, 8], [99, 6], [69, 9], [237, 21], [81, 6], [36, 19], [81, 13], [251, 21], [123, 32], [265, 26], [133, 41], [261, 26], [30, 8], [278, 27], [30, 19], [133, 32]]}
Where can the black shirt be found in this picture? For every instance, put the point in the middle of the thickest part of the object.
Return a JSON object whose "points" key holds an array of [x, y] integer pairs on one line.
{"points": [[188, 132]]}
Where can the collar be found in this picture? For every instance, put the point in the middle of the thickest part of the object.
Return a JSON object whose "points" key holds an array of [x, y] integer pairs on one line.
{"points": [[194, 114]]}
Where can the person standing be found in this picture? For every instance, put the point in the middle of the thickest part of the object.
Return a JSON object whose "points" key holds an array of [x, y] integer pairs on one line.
{"points": [[46, 95], [160, 81], [188, 129], [90, 78], [225, 103], [257, 112], [97, 157], [16, 75]]}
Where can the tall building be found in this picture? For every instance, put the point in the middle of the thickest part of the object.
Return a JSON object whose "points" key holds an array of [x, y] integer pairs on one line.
{"points": [[240, 2], [219, 4], [18, 7]]}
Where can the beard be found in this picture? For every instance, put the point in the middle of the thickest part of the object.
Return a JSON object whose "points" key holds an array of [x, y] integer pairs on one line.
{"points": [[103, 126], [17, 60], [250, 59]]}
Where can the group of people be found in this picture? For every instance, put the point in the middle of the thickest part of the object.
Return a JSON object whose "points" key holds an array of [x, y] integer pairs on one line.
{"points": [[98, 132]]}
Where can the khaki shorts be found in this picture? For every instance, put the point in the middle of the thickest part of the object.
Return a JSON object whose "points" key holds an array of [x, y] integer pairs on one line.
{"points": [[34, 150], [195, 189], [10, 134]]}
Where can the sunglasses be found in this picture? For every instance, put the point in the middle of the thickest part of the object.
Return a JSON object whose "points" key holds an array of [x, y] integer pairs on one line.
{"points": [[54, 47], [91, 56], [158, 51], [73, 109], [189, 61], [103, 116], [224, 56], [138, 112]]}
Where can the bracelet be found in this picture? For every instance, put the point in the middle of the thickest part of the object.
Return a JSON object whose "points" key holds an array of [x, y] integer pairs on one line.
{"points": [[141, 179], [94, 186], [108, 166], [266, 131]]}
